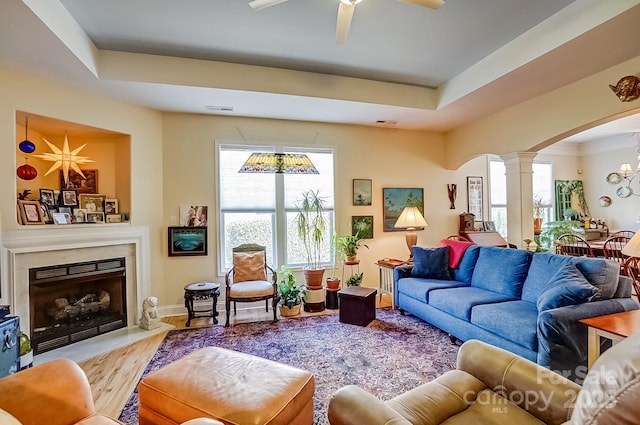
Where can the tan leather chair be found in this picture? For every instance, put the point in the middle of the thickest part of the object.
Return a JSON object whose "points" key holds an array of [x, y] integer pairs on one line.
{"points": [[493, 386], [54, 393]]}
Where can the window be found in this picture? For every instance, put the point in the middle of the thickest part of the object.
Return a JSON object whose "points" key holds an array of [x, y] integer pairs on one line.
{"points": [[260, 208], [541, 185]]}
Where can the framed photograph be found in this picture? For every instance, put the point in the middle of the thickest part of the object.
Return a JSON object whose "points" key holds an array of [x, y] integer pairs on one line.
{"points": [[114, 218], [187, 241], [79, 215], [362, 192], [86, 184], [94, 217], [111, 206], [193, 215], [362, 225], [68, 198], [92, 202], [46, 214], [395, 199], [489, 226], [47, 197], [61, 218], [30, 212], [474, 197]]}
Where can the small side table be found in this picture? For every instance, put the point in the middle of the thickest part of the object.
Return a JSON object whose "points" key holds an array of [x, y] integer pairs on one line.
{"points": [[387, 284], [615, 327], [200, 291]]}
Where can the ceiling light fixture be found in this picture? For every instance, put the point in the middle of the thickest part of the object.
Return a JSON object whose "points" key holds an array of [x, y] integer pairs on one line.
{"points": [[281, 163]]}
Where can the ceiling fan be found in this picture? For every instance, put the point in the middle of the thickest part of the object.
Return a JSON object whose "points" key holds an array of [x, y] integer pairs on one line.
{"points": [[345, 12]]}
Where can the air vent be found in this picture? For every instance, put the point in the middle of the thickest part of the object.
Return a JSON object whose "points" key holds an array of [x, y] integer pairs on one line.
{"points": [[215, 108]]}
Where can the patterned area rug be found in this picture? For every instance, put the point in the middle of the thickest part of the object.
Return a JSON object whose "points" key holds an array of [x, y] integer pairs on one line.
{"points": [[390, 356]]}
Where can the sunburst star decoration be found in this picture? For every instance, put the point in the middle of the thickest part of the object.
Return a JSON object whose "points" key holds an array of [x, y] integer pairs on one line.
{"points": [[65, 159]]}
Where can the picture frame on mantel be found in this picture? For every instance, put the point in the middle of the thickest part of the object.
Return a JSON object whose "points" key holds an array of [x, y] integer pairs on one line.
{"points": [[475, 203]]}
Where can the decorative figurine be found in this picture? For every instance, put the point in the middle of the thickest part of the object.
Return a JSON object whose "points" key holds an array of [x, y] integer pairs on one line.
{"points": [[150, 318]]}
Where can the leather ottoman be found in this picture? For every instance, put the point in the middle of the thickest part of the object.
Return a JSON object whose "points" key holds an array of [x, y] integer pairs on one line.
{"points": [[232, 387], [357, 305]]}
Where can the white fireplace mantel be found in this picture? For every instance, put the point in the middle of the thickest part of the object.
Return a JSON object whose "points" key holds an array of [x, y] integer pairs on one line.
{"points": [[29, 247]]}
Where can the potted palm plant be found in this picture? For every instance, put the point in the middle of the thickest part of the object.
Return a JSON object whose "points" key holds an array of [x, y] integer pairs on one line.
{"points": [[538, 213], [349, 245], [333, 282], [289, 293], [311, 225]]}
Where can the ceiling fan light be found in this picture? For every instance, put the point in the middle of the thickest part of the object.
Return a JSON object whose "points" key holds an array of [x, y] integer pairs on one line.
{"points": [[261, 4]]}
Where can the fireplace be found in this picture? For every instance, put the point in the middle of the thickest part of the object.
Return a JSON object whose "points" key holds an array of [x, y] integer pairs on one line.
{"points": [[73, 302]]}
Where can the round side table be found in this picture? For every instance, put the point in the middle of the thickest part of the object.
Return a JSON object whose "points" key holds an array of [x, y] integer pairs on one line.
{"points": [[201, 291]]}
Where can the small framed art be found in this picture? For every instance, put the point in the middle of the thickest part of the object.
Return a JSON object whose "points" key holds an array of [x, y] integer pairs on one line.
{"points": [[111, 206], [362, 192], [92, 202], [114, 218], [61, 218], [94, 217], [68, 198], [187, 241], [362, 225], [395, 199], [47, 197], [30, 212], [474, 197], [86, 184]]}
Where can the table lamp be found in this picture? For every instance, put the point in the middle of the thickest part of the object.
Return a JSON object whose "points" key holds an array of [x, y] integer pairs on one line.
{"points": [[410, 219], [632, 248]]}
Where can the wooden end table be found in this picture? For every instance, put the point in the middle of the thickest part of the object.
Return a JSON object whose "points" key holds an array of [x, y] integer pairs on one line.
{"points": [[201, 291], [615, 327], [387, 284]]}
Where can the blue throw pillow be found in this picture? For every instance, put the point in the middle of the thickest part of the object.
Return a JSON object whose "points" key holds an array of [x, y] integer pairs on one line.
{"points": [[431, 263], [568, 286]]}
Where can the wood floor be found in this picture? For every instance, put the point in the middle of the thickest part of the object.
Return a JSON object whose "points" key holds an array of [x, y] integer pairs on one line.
{"points": [[114, 375]]}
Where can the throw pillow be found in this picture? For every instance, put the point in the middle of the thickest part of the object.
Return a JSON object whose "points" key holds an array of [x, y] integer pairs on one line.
{"points": [[568, 286], [456, 250], [431, 263], [248, 266]]}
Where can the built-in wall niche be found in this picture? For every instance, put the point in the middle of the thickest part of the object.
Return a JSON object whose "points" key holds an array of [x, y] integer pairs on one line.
{"points": [[109, 175]]}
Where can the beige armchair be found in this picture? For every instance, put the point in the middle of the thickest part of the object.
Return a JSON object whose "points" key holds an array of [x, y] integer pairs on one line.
{"points": [[493, 386], [54, 393]]}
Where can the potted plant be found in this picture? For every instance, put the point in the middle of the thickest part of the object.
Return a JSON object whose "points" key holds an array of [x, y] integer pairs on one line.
{"points": [[333, 282], [538, 213], [553, 230], [289, 293], [311, 225], [355, 279], [349, 245]]}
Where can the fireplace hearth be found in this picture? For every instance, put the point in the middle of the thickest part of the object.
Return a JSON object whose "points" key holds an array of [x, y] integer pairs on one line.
{"points": [[73, 302]]}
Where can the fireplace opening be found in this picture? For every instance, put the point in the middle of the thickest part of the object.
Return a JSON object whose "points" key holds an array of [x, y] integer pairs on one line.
{"points": [[73, 302]]}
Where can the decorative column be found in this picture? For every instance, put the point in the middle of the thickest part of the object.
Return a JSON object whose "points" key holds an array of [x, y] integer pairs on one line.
{"points": [[519, 173]]}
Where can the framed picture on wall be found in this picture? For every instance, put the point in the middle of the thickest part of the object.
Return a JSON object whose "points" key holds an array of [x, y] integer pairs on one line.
{"points": [[362, 192], [395, 199], [474, 197], [362, 225], [187, 241], [86, 184]]}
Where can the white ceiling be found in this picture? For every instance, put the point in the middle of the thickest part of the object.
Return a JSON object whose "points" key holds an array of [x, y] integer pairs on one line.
{"points": [[414, 67]]}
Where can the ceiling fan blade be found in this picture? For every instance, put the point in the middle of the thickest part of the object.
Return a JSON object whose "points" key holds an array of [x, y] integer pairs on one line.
{"points": [[261, 4], [345, 14], [433, 4]]}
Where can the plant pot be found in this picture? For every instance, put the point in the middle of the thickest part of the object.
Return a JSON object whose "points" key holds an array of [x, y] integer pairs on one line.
{"points": [[313, 278], [333, 283], [351, 259], [537, 225], [289, 311]]}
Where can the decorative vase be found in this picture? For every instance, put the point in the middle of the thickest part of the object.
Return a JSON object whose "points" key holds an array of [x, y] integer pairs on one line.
{"points": [[333, 283], [289, 311], [537, 225], [313, 278]]}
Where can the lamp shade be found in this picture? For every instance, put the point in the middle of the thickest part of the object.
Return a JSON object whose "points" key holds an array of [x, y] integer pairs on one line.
{"points": [[625, 168], [632, 248], [410, 218], [287, 163]]}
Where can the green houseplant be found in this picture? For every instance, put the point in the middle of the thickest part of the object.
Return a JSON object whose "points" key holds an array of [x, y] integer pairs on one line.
{"points": [[311, 225], [355, 279], [552, 230], [349, 245], [289, 293], [538, 214]]}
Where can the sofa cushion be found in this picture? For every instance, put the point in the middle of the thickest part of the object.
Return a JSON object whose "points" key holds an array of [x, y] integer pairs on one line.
{"points": [[464, 272], [568, 286], [501, 270], [419, 289], [544, 266], [431, 263], [512, 320], [458, 302], [456, 250]]}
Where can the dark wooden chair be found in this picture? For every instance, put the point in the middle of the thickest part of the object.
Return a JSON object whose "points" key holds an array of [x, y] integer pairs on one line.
{"points": [[574, 245], [457, 238], [612, 249], [248, 279], [631, 268], [627, 233]]}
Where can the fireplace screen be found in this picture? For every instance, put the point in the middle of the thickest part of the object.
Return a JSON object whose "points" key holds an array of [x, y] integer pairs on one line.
{"points": [[72, 302]]}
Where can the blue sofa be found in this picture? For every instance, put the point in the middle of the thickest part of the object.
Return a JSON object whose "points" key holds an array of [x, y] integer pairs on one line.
{"points": [[527, 303]]}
